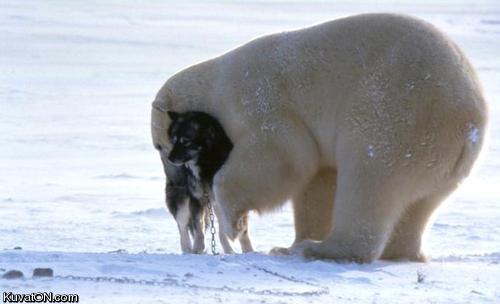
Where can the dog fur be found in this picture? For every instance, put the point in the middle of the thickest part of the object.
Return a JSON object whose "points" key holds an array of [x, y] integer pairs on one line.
{"points": [[199, 148], [367, 123]]}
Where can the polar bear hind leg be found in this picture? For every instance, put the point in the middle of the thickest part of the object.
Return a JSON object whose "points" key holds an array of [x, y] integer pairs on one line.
{"points": [[366, 210], [406, 239]]}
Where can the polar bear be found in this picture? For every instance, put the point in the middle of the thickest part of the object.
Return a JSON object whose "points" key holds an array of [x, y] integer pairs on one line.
{"points": [[366, 123]]}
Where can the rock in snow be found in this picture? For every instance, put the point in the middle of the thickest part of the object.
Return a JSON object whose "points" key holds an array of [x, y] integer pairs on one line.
{"points": [[43, 273], [13, 274]]}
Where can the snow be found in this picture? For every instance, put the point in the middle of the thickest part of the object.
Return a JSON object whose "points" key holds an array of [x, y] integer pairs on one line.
{"points": [[81, 187], [473, 134], [371, 152], [172, 278]]}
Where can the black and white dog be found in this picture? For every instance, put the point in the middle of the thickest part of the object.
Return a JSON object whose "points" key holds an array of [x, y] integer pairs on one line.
{"points": [[199, 148]]}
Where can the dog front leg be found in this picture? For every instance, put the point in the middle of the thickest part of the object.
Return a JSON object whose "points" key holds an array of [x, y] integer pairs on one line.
{"points": [[182, 217], [198, 236]]}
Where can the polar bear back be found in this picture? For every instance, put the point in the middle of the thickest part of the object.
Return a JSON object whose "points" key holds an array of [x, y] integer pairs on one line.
{"points": [[385, 85]]}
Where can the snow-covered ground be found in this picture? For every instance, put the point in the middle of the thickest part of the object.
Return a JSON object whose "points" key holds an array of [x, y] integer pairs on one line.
{"points": [[81, 187]]}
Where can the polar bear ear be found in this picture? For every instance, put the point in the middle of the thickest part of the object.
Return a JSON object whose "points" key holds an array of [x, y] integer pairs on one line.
{"points": [[173, 115]]}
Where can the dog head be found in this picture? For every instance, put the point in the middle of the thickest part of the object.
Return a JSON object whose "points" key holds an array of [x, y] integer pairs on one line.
{"points": [[192, 134]]}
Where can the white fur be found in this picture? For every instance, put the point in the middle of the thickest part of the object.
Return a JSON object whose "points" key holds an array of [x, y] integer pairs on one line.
{"points": [[194, 168], [182, 218]]}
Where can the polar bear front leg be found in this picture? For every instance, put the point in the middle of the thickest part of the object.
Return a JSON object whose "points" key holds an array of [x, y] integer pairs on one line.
{"points": [[366, 209], [226, 246], [257, 177]]}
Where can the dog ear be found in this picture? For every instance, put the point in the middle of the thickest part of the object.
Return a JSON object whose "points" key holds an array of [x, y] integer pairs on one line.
{"points": [[173, 115]]}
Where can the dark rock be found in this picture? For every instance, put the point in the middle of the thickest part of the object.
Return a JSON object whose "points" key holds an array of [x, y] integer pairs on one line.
{"points": [[13, 274], [18, 248], [43, 273], [118, 251]]}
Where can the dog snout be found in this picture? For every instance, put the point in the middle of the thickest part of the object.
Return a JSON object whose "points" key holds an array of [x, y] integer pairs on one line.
{"points": [[172, 159]]}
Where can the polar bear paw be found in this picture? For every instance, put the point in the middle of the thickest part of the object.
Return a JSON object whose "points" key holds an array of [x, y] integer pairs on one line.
{"points": [[306, 249]]}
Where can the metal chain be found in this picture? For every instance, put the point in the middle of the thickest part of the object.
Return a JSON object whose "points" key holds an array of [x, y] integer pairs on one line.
{"points": [[211, 216], [288, 278], [174, 283]]}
